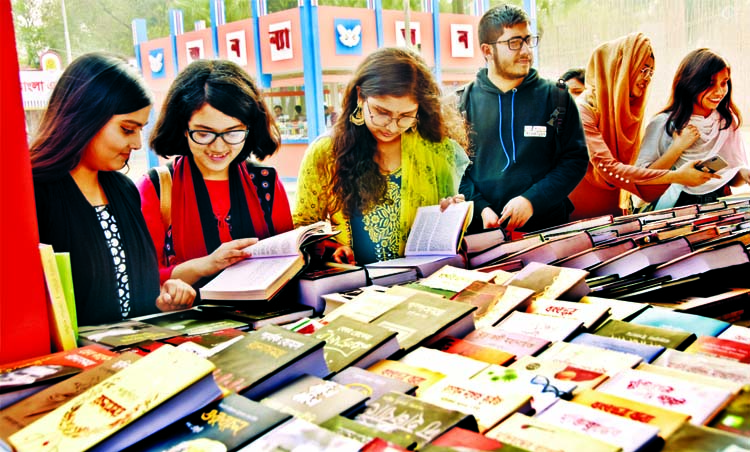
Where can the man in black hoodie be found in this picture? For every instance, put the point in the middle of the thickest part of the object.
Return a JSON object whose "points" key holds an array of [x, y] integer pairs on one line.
{"points": [[525, 162]]}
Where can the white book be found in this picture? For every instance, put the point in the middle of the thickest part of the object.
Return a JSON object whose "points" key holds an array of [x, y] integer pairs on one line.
{"points": [[630, 435], [736, 333], [591, 358], [710, 366], [366, 306], [449, 364], [700, 401], [589, 314], [550, 328]]}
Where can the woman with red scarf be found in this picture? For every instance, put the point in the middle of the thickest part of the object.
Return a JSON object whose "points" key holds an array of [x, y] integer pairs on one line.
{"points": [[214, 201]]}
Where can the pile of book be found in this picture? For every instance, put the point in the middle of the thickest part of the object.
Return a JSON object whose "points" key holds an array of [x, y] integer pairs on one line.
{"points": [[571, 342]]}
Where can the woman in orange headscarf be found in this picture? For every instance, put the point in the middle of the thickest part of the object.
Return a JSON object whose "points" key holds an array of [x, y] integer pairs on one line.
{"points": [[612, 109]]}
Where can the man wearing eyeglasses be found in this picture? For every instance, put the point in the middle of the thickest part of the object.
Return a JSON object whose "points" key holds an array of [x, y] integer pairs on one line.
{"points": [[529, 150]]}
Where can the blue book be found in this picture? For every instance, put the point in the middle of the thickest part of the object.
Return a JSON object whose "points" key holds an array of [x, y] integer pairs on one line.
{"points": [[645, 351], [666, 318]]}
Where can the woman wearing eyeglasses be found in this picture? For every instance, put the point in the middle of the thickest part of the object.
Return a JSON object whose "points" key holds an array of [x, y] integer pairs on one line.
{"points": [[213, 119], [389, 153], [612, 109]]}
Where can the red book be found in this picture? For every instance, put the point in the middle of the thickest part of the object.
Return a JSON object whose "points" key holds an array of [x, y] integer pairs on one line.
{"points": [[473, 350], [460, 438], [722, 348]]}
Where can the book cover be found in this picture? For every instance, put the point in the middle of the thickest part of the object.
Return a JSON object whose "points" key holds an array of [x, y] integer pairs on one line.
{"points": [[518, 344], [372, 385], [349, 428], [549, 281], [735, 418], [258, 315], [721, 348], [693, 438], [642, 258], [630, 436], [532, 434], [366, 306], [299, 435], [646, 352], [388, 276], [19, 415], [488, 403], [329, 278], [736, 333], [502, 250], [575, 226], [590, 315], [226, 424], [480, 241], [66, 278], [460, 439], [545, 391], [554, 249], [493, 301], [448, 364], [267, 359], [472, 350], [644, 334], [416, 376], [123, 334], [315, 400], [61, 325], [422, 319], [618, 309], [699, 401], [666, 421], [589, 357], [275, 261], [732, 387], [139, 400], [352, 343], [704, 259], [583, 378], [413, 419], [545, 327], [666, 318], [210, 343], [705, 365], [453, 279], [191, 322], [596, 255]]}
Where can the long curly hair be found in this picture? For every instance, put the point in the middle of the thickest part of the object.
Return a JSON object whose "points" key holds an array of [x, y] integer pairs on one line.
{"points": [[357, 182]]}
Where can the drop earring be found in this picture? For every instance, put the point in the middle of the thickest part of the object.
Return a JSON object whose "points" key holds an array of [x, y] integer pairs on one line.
{"points": [[357, 117]]}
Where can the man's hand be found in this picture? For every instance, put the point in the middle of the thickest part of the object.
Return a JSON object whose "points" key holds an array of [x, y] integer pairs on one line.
{"points": [[489, 218], [175, 295], [517, 212]]}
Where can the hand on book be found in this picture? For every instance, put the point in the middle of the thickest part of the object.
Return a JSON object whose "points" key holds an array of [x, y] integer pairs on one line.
{"points": [[175, 295], [227, 254], [344, 255], [690, 176], [445, 202]]}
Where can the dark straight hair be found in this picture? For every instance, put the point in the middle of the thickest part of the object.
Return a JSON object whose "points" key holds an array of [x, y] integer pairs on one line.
{"points": [[226, 87], [494, 22], [92, 89], [694, 75]]}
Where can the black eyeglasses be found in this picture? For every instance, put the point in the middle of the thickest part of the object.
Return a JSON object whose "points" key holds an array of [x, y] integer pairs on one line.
{"points": [[206, 137], [383, 120], [517, 43]]}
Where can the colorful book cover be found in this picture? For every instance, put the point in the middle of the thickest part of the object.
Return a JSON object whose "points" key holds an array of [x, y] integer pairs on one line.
{"points": [[532, 434], [516, 343], [192, 322], [315, 400], [644, 334], [299, 435], [123, 334], [590, 315], [735, 418], [693, 438], [699, 401], [647, 352], [590, 358], [267, 359], [493, 301], [371, 384], [472, 350], [225, 424], [666, 318], [545, 327], [460, 439], [453, 279], [489, 403], [583, 378], [666, 421], [357, 431], [448, 364], [549, 281], [66, 278], [349, 342], [417, 376], [122, 400], [61, 324], [721, 348], [710, 366], [736, 333], [610, 428], [413, 419]]}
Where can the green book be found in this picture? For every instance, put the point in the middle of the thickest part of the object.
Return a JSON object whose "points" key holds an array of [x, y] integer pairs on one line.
{"points": [[66, 277], [693, 438], [353, 343], [644, 334]]}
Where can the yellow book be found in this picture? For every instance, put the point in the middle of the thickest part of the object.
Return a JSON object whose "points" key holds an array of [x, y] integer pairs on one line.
{"points": [[61, 327], [66, 277], [418, 376], [667, 421], [111, 410]]}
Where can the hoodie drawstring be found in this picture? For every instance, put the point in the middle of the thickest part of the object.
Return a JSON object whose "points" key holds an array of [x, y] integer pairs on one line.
{"points": [[500, 127]]}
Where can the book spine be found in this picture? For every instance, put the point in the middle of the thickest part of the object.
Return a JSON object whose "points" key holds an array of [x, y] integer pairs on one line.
{"points": [[60, 323]]}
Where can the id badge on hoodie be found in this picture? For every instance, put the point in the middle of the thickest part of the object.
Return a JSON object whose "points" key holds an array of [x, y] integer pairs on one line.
{"points": [[535, 131]]}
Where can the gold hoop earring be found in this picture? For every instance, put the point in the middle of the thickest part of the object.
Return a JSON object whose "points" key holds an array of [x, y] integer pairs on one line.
{"points": [[357, 117]]}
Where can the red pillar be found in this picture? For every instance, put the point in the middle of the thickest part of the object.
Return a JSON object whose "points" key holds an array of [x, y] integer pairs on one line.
{"points": [[24, 328]]}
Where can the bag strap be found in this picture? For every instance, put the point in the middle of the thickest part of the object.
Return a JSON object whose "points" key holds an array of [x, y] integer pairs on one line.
{"points": [[463, 96], [165, 194], [557, 118]]}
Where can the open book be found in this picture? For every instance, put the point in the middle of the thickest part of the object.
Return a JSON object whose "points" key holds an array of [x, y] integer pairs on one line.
{"points": [[275, 260], [433, 239]]}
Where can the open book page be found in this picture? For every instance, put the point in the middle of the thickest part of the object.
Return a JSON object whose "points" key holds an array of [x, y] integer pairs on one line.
{"points": [[252, 274], [435, 232], [289, 243]]}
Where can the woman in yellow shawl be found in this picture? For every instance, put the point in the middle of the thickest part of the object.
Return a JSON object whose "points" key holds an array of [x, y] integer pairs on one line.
{"points": [[612, 109], [391, 151]]}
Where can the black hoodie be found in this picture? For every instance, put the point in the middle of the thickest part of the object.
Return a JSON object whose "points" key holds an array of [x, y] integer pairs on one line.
{"points": [[524, 159]]}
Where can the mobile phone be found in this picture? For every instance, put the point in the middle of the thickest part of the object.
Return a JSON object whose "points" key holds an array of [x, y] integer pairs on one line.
{"points": [[712, 165]]}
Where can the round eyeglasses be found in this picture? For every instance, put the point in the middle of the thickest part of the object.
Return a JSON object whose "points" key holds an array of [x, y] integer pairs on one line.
{"points": [[382, 120], [517, 42], [206, 137]]}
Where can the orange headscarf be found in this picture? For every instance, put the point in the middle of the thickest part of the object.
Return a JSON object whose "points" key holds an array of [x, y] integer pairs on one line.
{"points": [[612, 71]]}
